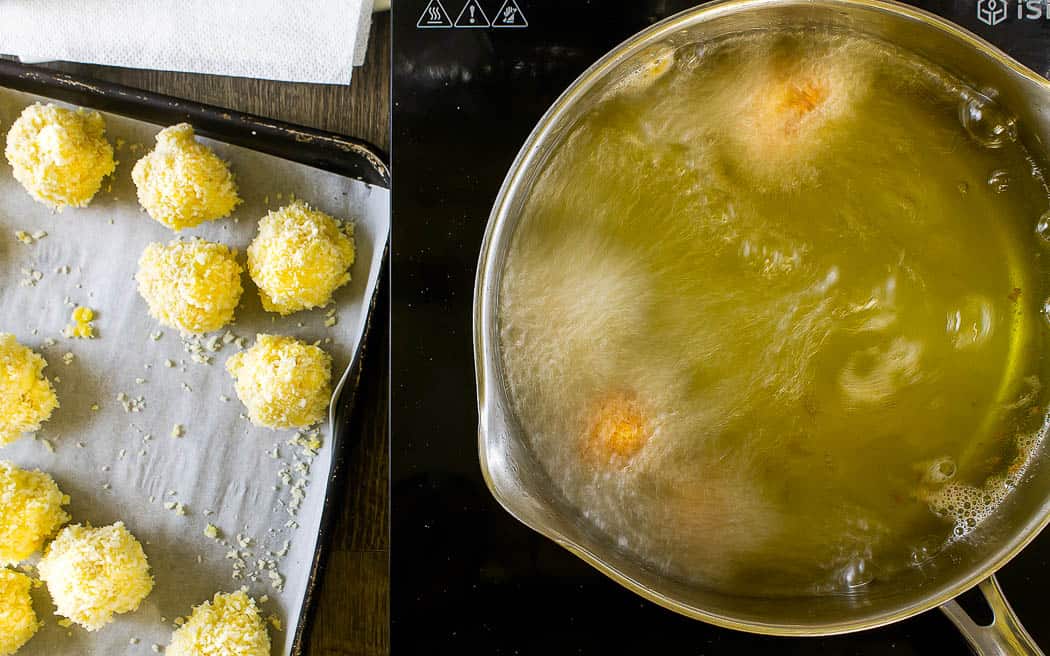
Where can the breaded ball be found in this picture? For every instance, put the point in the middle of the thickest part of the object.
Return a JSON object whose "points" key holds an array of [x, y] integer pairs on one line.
{"points": [[299, 257], [182, 183], [59, 155], [18, 622], [617, 429], [30, 512], [95, 573], [792, 104], [790, 110], [194, 286], [284, 382], [229, 625], [27, 398]]}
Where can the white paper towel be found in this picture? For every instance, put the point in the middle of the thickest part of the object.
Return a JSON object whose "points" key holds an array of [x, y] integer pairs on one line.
{"points": [[319, 41]]}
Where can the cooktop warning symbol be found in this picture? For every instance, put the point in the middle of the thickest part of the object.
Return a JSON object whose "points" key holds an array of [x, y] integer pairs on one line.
{"points": [[509, 15], [472, 15], [434, 16]]}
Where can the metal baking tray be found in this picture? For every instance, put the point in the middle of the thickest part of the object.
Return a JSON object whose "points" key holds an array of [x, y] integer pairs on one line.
{"points": [[346, 156]]}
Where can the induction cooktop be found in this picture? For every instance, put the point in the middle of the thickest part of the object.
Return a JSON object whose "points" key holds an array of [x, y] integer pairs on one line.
{"points": [[470, 80]]}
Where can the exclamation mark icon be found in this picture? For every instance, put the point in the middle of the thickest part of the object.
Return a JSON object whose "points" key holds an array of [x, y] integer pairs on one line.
{"points": [[472, 15]]}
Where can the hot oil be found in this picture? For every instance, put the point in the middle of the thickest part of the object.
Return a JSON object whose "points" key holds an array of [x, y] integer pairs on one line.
{"points": [[771, 317]]}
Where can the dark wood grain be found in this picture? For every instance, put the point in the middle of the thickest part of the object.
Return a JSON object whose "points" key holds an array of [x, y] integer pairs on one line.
{"points": [[353, 611]]}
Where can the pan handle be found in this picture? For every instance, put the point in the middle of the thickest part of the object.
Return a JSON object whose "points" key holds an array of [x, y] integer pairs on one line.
{"points": [[1004, 636]]}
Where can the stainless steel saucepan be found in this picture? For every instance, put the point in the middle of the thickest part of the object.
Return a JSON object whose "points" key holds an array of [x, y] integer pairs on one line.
{"points": [[521, 485]]}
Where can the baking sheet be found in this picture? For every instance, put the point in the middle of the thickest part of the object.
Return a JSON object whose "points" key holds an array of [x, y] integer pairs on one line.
{"points": [[121, 461]]}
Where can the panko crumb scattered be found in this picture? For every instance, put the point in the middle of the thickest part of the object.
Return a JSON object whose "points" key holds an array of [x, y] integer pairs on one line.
{"points": [[27, 398], [59, 155], [81, 326], [95, 573], [18, 622], [229, 625], [193, 286], [299, 258], [182, 183], [30, 512], [282, 381]]}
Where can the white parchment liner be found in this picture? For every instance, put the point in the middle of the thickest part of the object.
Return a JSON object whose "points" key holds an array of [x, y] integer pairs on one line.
{"points": [[222, 464]]}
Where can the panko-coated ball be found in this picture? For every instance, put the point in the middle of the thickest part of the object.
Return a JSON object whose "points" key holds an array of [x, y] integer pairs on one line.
{"points": [[18, 622], [30, 512], [283, 382], [59, 155], [617, 429], [229, 625], [27, 398], [93, 574], [190, 285], [299, 258], [182, 183]]}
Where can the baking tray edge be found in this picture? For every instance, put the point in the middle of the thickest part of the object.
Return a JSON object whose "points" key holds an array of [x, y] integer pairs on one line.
{"points": [[353, 158]]}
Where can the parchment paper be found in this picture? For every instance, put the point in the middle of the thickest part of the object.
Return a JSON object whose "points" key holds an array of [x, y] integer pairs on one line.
{"points": [[121, 462]]}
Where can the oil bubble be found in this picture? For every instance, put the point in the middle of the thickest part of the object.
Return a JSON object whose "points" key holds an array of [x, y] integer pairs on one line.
{"points": [[925, 551], [1046, 310], [691, 57], [1042, 227], [972, 323], [857, 574], [655, 63], [963, 188], [987, 122], [940, 470], [999, 181]]}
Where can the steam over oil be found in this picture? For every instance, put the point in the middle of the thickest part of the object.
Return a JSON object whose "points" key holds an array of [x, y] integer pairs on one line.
{"points": [[772, 318]]}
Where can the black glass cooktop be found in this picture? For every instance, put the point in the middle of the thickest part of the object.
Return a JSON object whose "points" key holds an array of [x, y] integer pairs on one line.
{"points": [[466, 577]]}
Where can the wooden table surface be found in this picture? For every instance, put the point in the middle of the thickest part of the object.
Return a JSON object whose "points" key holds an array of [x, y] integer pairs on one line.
{"points": [[353, 611]]}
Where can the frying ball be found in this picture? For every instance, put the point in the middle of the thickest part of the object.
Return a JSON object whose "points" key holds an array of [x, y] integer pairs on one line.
{"points": [[617, 429], [95, 573], [59, 155], [26, 396], [194, 286], [282, 381], [30, 512], [299, 258], [18, 622], [229, 625], [182, 183]]}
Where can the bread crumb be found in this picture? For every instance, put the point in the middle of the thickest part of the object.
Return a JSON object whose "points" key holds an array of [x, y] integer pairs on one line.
{"points": [[193, 286], [18, 621], [29, 239], [282, 381], [60, 156], [82, 327], [299, 257], [181, 183], [30, 512], [95, 573], [228, 625], [27, 398]]}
